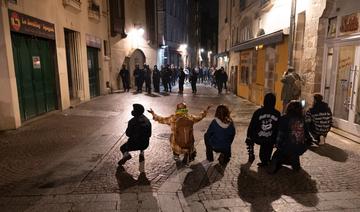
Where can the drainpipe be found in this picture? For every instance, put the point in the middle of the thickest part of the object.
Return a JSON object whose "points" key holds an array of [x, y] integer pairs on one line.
{"points": [[109, 46], [291, 33]]}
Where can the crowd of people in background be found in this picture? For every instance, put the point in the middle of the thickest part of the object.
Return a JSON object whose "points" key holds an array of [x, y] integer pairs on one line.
{"points": [[290, 132], [169, 75]]}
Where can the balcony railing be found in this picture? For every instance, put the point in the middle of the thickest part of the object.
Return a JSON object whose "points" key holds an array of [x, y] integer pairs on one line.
{"points": [[75, 4]]}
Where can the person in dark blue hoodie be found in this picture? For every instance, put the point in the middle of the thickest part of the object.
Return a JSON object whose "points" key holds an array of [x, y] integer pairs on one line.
{"points": [[220, 135], [263, 130]]}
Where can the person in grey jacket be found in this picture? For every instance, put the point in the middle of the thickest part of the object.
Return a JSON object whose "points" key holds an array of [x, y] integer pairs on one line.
{"points": [[291, 89]]}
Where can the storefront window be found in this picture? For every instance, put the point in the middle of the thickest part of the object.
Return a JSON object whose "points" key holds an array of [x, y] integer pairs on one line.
{"points": [[357, 112], [346, 60]]}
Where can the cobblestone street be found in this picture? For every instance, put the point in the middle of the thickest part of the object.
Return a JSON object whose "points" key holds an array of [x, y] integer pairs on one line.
{"points": [[67, 161]]}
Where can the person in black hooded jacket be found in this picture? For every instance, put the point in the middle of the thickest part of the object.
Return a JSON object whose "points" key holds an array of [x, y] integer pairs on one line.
{"points": [[319, 120], [263, 130], [139, 133], [292, 138]]}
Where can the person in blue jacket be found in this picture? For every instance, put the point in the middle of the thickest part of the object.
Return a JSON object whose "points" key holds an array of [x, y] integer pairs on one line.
{"points": [[220, 135]]}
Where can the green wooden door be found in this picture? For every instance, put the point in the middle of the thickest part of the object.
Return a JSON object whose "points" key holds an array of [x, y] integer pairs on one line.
{"points": [[35, 75], [93, 66]]}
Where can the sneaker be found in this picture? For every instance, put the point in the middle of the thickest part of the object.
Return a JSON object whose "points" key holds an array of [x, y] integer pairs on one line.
{"points": [[322, 140], [124, 159], [176, 157]]}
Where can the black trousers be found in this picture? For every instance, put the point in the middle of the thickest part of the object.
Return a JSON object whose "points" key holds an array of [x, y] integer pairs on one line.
{"points": [[280, 158], [210, 154], [156, 85], [126, 84], [193, 87], [165, 84], [139, 84], [169, 85], [181, 86], [129, 146], [219, 86], [148, 86], [265, 152]]}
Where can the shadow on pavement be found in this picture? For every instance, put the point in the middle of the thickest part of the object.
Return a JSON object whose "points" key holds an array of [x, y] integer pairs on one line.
{"points": [[143, 199], [201, 177], [332, 152], [261, 189], [163, 93], [136, 92], [152, 95], [126, 180]]}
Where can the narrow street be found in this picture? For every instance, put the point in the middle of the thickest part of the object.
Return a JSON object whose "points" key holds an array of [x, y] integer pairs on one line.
{"points": [[50, 165]]}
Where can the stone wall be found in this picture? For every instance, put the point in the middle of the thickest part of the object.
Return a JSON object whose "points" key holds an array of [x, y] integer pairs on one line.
{"points": [[313, 49]]}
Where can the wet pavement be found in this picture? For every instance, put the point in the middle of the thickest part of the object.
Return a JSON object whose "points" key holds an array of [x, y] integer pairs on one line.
{"points": [[67, 161]]}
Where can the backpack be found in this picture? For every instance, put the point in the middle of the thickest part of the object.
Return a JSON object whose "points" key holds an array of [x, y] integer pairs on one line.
{"points": [[296, 86], [184, 136]]}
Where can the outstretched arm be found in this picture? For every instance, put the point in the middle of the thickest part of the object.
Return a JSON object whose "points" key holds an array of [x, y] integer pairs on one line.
{"points": [[160, 119], [201, 116]]}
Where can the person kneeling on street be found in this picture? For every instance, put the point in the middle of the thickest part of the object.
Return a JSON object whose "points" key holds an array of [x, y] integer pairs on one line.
{"points": [[263, 130], [220, 135], [319, 120], [292, 139], [182, 136], [139, 133]]}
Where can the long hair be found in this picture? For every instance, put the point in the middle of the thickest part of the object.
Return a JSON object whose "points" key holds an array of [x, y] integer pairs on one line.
{"points": [[294, 109], [223, 113]]}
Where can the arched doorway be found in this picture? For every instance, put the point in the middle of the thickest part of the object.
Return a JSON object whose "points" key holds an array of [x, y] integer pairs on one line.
{"points": [[136, 58]]}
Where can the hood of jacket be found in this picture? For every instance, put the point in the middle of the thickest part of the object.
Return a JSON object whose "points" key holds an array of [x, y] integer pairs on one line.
{"points": [[222, 124]]}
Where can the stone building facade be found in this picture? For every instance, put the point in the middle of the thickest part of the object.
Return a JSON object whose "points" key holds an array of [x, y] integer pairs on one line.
{"points": [[259, 43], [133, 40], [326, 33], [172, 32], [52, 56], [337, 65]]}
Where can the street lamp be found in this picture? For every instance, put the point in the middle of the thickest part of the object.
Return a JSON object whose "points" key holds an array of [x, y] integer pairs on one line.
{"points": [[136, 36], [183, 47]]}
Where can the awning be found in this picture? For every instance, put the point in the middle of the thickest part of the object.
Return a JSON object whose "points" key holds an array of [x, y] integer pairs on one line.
{"points": [[275, 37], [222, 54]]}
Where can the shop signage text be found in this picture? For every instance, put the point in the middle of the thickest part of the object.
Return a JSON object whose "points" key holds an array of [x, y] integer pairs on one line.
{"points": [[349, 23], [29, 25], [93, 41]]}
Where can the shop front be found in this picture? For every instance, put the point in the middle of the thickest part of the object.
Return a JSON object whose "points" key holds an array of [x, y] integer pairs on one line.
{"points": [[262, 61], [341, 74], [34, 61], [93, 46]]}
